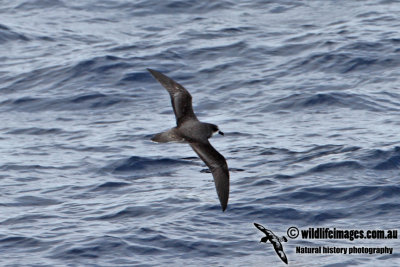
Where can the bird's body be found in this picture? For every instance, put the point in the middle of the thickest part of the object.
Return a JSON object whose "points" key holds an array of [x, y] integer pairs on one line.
{"points": [[190, 130]]}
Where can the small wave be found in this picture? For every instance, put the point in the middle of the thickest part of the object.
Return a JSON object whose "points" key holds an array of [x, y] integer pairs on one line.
{"points": [[35, 131], [173, 7], [135, 163], [99, 65], [324, 150], [93, 100], [344, 194], [104, 70], [236, 48], [262, 209], [336, 166], [354, 57], [285, 50], [382, 159], [86, 101], [21, 242], [368, 14], [337, 99], [85, 98], [34, 201], [30, 168], [104, 246], [40, 4], [120, 48], [110, 186], [27, 219], [129, 212], [134, 77], [6, 35], [389, 164], [387, 160], [329, 215]]}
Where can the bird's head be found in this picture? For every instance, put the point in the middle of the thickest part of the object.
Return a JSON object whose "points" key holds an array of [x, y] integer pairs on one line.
{"points": [[215, 129], [264, 239]]}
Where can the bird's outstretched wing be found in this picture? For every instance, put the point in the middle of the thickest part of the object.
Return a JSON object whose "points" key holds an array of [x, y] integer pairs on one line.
{"points": [[261, 228], [279, 250], [218, 167], [180, 98]]}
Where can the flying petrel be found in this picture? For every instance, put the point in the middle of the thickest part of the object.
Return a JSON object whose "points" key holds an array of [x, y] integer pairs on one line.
{"points": [[275, 241], [190, 130]]}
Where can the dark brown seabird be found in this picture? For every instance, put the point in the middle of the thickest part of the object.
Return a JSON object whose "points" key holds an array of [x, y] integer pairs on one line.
{"points": [[190, 130]]}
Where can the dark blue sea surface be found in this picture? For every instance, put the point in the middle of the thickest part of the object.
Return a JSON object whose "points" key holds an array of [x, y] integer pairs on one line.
{"points": [[307, 93]]}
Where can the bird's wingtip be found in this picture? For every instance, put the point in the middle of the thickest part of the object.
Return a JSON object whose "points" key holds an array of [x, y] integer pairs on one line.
{"points": [[156, 74]]}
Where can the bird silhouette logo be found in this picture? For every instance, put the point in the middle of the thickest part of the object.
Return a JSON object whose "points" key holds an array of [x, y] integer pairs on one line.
{"points": [[275, 241]]}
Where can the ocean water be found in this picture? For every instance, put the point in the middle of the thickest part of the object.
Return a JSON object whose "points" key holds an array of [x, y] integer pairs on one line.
{"points": [[307, 93]]}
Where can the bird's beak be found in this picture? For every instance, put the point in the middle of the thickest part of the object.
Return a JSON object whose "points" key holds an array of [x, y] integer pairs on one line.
{"points": [[221, 133]]}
